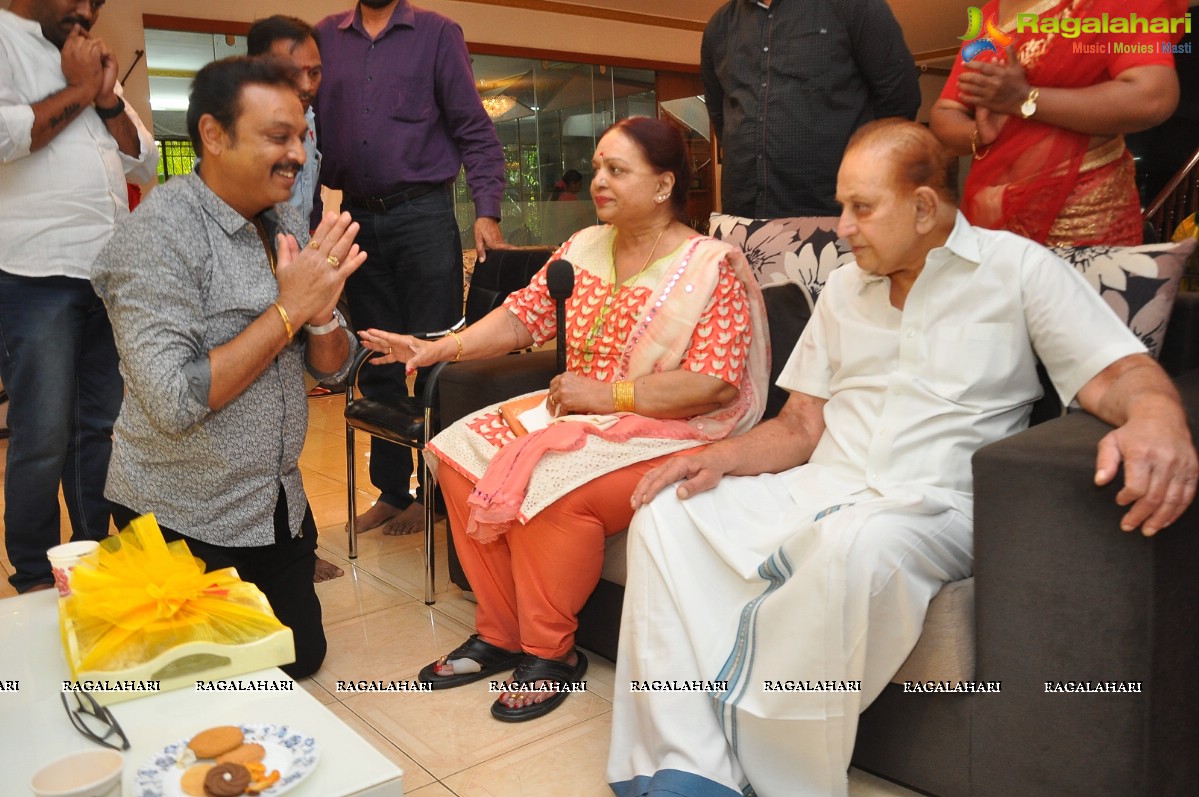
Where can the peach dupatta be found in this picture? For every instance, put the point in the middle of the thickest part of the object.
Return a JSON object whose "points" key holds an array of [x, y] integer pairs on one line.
{"points": [[549, 463]]}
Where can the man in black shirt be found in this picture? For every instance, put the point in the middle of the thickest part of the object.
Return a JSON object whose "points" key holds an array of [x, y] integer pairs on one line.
{"points": [[787, 84]]}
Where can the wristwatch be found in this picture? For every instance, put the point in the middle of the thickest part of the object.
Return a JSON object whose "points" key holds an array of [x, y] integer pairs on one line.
{"points": [[323, 329], [1029, 106], [111, 113]]}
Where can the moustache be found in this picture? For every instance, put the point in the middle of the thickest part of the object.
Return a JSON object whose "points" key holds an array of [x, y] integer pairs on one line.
{"points": [[288, 166], [72, 21]]}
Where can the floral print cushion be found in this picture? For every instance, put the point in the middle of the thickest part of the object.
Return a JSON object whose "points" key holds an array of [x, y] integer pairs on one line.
{"points": [[804, 250], [1139, 283]]}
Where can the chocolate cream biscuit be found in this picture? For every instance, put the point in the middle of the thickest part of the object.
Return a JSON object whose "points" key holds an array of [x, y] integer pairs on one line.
{"points": [[226, 780]]}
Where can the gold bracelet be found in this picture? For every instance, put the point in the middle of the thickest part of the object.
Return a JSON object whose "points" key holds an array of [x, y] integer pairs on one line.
{"points": [[286, 322], [974, 143], [458, 338], [622, 395]]}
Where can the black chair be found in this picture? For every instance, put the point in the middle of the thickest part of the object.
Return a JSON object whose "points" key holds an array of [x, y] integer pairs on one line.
{"points": [[412, 422]]}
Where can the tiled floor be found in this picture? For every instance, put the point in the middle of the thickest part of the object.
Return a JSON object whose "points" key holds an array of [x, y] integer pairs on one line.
{"points": [[378, 628]]}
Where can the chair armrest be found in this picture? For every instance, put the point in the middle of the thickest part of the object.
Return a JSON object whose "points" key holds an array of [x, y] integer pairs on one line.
{"points": [[467, 387], [1061, 594]]}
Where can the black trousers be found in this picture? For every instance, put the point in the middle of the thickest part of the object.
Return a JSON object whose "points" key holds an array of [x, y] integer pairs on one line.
{"points": [[283, 571]]}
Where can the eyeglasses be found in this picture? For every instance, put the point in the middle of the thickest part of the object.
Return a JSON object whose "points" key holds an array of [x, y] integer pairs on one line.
{"points": [[93, 720]]}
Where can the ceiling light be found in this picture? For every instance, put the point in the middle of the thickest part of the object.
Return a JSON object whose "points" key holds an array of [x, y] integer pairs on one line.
{"points": [[499, 105]]}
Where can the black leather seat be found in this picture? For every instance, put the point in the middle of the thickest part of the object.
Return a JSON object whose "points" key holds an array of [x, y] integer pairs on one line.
{"points": [[413, 421]]}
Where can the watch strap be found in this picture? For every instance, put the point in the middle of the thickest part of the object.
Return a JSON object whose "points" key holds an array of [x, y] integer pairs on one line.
{"points": [[113, 112], [323, 329]]}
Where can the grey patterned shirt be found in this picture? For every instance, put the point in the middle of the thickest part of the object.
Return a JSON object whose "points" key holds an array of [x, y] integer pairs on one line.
{"points": [[183, 275]]}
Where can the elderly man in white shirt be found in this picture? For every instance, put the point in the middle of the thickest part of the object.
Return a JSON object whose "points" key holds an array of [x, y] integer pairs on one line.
{"points": [[855, 505], [67, 145]]}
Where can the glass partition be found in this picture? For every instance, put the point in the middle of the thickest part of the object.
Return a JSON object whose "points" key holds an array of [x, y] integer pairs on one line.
{"points": [[172, 59], [548, 115]]}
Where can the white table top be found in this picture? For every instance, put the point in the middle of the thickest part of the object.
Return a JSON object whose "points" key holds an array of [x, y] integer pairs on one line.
{"points": [[35, 729]]}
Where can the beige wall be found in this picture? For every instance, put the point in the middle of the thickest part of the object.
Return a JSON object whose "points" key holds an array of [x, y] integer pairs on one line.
{"points": [[121, 27]]}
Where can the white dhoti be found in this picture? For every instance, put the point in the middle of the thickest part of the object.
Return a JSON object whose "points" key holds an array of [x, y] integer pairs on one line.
{"points": [[804, 603]]}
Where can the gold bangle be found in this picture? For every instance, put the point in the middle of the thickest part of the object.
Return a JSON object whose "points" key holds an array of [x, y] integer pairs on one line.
{"points": [[622, 395], [286, 321], [974, 144], [458, 338]]}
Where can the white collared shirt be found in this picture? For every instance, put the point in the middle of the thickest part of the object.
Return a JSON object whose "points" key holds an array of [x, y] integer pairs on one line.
{"points": [[304, 190], [59, 205], [913, 393]]}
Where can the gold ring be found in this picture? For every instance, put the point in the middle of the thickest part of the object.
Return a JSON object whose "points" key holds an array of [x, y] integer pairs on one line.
{"points": [[388, 351], [333, 260], [313, 245]]}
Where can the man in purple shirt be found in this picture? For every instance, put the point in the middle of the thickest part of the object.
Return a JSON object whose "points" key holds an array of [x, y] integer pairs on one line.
{"points": [[399, 116]]}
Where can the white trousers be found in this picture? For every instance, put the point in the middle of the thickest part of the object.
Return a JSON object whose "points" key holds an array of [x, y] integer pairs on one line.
{"points": [[745, 584]]}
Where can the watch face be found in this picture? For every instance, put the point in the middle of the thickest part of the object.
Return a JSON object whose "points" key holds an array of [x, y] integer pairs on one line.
{"points": [[1029, 106]]}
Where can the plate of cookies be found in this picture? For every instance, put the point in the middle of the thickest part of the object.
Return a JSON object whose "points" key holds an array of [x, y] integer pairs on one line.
{"points": [[230, 760]]}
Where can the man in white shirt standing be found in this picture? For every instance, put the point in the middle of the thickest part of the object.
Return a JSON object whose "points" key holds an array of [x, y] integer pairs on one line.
{"points": [[294, 40], [67, 143]]}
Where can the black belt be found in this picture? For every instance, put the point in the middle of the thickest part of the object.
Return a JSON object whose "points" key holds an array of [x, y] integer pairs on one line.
{"points": [[403, 193]]}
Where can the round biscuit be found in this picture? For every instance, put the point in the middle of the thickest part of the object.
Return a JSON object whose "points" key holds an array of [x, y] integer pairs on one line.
{"points": [[215, 741], [243, 754], [192, 781]]}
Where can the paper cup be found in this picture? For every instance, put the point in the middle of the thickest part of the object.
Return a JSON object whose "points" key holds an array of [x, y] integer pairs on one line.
{"points": [[91, 773], [63, 559]]}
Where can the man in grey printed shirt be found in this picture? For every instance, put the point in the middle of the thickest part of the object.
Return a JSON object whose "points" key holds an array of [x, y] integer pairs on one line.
{"points": [[218, 302]]}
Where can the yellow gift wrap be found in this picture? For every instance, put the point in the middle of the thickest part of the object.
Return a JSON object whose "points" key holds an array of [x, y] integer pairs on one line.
{"points": [[143, 617]]}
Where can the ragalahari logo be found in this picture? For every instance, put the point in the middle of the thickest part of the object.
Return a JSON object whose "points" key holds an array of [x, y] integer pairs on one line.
{"points": [[975, 42]]}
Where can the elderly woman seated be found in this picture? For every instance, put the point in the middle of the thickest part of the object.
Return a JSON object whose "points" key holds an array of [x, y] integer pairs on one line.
{"points": [[665, 350]]}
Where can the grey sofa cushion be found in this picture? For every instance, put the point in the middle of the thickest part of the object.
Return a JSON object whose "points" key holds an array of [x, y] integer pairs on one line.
{"points": [[945, 651]]}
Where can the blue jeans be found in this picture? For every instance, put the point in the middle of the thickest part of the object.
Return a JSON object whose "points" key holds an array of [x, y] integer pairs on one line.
{"points": [[411, 282], [58, 362]]}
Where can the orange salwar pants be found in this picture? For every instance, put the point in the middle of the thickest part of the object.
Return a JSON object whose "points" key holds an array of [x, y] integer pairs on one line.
{"points": [[532, 581]]}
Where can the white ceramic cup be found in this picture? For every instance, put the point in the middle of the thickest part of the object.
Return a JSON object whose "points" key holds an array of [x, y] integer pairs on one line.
{"points": [[89, 773], [63, 559]]}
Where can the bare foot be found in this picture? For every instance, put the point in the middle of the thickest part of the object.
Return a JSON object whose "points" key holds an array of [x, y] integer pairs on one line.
{"points": [[326, 571], [379, 513], [410, 521]]}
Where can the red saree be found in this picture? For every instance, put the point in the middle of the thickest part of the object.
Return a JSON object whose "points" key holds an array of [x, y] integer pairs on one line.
{"points": [[1031, 179]]}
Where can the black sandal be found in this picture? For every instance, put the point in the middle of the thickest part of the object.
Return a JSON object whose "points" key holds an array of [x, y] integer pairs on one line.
{"points": [[491, 659], [529, 672]]}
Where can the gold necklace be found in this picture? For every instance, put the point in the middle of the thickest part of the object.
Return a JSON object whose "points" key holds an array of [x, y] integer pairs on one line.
{"points": [[610, 300]]}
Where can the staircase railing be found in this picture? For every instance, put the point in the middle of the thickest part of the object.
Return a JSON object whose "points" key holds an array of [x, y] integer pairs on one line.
{"points": [[1176, 201], [1179, 199]]}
